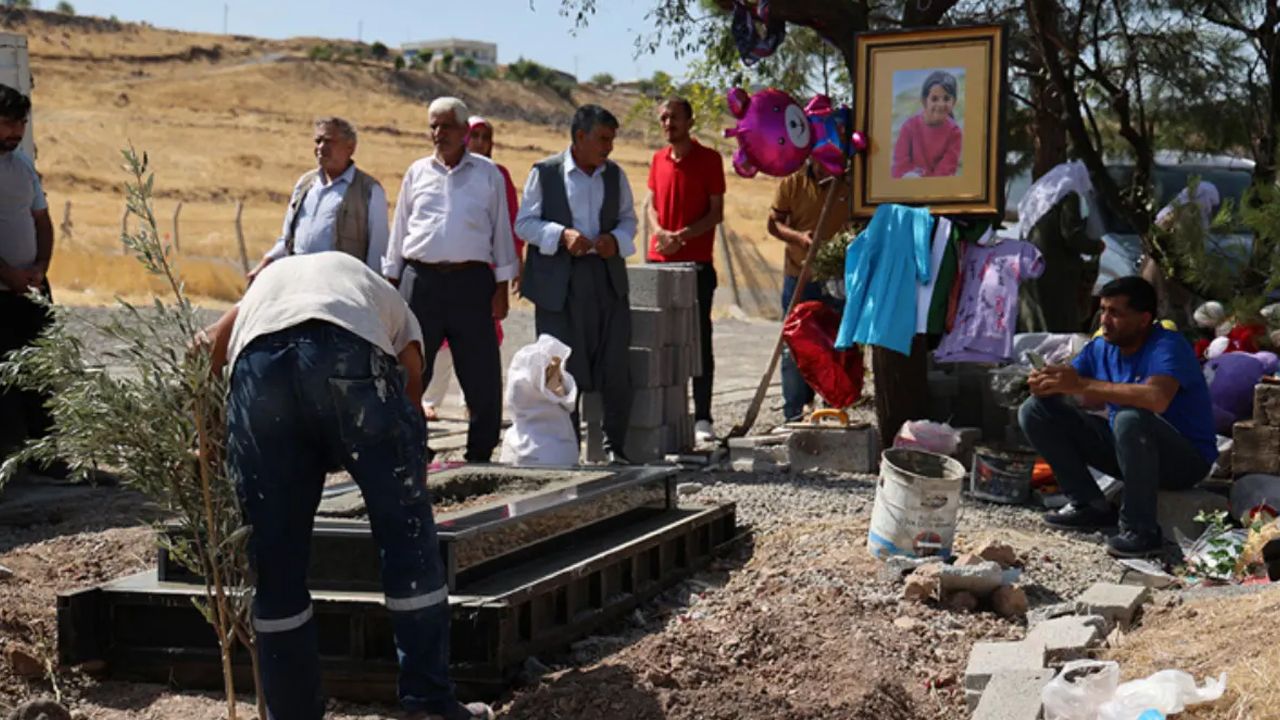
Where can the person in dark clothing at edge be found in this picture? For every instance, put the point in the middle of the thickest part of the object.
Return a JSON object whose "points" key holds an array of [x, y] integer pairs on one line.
{"points": [[1158, 433]]}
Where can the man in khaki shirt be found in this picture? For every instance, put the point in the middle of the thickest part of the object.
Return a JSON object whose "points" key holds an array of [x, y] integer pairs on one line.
{"points": [[797, 206]]}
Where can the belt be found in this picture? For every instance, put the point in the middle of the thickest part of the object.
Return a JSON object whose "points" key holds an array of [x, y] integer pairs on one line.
{"points": [[449, 266]]}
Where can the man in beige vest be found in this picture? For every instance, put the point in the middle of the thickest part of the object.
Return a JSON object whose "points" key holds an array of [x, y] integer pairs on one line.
{"points": [[334, 207]]}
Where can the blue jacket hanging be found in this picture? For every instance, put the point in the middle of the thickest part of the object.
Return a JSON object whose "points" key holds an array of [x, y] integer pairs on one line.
{"points": [[881, 270]]}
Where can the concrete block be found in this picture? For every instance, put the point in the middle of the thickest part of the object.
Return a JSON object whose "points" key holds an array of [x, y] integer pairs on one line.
{"points": [[988, 659], [675, 401], [1070, 637], [1176, 510], [648, 407], [650, 328], [1117, 604], [969, 439], [1266, 404], [681, 326], [646, 445], [1013, 696], [980, 579], [650, 367], [759, 453], [851, 450], [650, 286], [593, 419], [1256, 449]]}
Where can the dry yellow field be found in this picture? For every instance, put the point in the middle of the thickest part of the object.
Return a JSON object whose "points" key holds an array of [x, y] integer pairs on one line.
{"points": [[228, 118]]}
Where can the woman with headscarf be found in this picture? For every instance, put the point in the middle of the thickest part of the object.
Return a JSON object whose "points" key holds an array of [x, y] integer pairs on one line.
{"points": [[1057, 215]]}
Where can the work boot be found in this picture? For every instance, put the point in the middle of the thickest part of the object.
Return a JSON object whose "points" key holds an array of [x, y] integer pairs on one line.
{"points": [[1087, 518], [1130, 544]]}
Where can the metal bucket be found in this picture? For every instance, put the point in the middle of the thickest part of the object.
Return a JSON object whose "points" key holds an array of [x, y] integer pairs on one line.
{"points": [[1002, 474], [917, 501]]}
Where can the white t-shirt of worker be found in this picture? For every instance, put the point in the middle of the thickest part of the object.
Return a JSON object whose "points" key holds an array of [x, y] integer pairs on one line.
{"points": [[20, 195], [330, 286]]}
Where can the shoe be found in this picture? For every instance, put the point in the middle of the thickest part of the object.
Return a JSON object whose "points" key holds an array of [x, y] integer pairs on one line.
{"points": [[703, 432], [1130, 544], [1081, 517], [617, 458]]}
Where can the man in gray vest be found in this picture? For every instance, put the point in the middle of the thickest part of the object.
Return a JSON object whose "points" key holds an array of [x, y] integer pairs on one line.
{"points": [[579, 219], [337, 206]]}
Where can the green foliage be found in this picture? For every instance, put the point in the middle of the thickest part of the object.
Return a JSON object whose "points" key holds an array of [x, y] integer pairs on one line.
{"points": [[1239, 279], [1219, 561], [446, 61], [828, 262], [469, 67], [602, 80], [529, 72], [19, 4], [707, 102], [321, 53], [66, 8], [399, 63], [177, 461], [379, 51]]}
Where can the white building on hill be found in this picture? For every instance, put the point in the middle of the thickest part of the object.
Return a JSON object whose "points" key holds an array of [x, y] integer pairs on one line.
{"points": [[482, 54]]}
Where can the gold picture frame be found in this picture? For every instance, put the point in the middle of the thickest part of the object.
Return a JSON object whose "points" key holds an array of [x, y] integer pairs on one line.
{"points": [[931, 106]]}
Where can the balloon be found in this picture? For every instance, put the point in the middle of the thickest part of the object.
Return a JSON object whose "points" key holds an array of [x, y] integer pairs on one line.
{"points": [[775, 136]]}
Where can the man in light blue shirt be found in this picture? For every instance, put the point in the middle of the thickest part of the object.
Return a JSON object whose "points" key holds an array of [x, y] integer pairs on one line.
{"points": [[334, 207], [579, 217]]}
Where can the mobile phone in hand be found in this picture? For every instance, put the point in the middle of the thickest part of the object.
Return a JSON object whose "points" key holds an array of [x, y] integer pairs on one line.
{"points": [[1037, 360]]}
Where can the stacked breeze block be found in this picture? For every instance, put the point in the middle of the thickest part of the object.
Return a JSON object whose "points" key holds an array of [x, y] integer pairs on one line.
{"points": [[665, 354], [1257, 441]]}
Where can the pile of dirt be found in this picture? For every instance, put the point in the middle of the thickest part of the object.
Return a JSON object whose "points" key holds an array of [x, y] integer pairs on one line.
{"points": [[800, 627]]}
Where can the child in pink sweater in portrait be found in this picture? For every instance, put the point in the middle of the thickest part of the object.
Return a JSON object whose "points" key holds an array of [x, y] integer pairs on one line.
{"points": [[929, 142]]}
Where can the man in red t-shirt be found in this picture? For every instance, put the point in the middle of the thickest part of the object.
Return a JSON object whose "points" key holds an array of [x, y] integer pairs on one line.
{"points": [[686, 202]]}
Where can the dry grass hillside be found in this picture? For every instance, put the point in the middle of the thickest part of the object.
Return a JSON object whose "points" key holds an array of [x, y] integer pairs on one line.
{"points": [[227, 118]]}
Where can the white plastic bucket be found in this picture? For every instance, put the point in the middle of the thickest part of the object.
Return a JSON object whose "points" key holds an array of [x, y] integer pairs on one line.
{"points": [[917, 501]]}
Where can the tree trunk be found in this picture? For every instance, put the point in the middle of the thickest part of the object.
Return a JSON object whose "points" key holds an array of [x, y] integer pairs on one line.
{"points": [[1049, 134]]}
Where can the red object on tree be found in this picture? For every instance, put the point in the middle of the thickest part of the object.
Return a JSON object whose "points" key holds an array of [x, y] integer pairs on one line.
{"points": [[810, 332]]}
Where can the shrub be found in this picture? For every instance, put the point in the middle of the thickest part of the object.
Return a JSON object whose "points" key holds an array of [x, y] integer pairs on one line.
{"points": [[379, 51], [603, 79], [66, 8]]}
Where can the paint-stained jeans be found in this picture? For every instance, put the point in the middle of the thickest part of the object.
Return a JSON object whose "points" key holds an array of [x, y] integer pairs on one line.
{"points": [[305, 401]]}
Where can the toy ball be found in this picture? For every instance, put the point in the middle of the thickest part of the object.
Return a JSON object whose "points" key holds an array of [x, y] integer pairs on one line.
{"points": [[774, 136]]}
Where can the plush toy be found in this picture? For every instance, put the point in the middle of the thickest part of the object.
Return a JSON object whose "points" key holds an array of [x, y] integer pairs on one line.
{"points": [[831, 138], [775, 135], [1231, 378]]}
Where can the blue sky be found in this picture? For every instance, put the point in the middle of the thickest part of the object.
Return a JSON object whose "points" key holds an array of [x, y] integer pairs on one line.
{"points": [[540, 34]]}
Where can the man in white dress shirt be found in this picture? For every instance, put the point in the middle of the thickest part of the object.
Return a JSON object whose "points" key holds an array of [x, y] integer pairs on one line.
{"points": [[452, 255], [334, 207], [579, 219]]}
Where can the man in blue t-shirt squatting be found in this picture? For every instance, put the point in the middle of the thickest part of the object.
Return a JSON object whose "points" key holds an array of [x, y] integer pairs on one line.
{"points": [[1159, 429]]}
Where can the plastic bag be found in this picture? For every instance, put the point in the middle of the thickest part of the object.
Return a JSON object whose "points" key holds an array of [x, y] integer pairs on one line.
{"points": [[540, 396], [1090, 690], [1080, 689], [1009, 385], [836, 375], [1168, 691], [929, 436]]}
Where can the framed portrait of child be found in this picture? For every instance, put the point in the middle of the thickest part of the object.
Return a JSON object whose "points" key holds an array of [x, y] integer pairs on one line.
{"points": [[931, 104]]}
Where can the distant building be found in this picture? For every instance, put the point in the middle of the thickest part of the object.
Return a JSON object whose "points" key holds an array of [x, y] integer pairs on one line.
{"points": [[481, 54]]}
